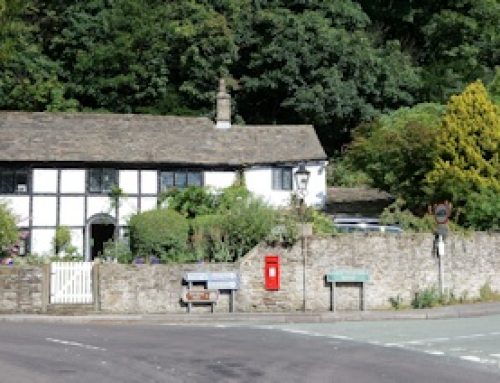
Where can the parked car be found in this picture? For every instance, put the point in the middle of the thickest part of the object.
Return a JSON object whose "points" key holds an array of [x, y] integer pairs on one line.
{"points": [[363, 224]]}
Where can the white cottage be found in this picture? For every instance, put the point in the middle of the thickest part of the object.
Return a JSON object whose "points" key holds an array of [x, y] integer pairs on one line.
{"points": [[57, 169]]}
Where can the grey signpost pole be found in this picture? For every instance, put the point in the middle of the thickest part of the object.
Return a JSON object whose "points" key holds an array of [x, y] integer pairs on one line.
{"points": [[442, 213], [302, 179], [440, 250]]}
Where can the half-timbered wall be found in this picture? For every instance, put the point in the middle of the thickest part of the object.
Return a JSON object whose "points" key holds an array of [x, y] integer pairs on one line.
{"points": [[60, 197]]}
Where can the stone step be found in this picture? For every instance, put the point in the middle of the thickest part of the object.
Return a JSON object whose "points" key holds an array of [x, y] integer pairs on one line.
{"points": [[70, 309]]}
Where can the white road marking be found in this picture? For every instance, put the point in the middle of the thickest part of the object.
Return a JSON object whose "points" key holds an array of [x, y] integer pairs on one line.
{"points": [[471, 358], [495, 355], [75, 344], [434, 352]]}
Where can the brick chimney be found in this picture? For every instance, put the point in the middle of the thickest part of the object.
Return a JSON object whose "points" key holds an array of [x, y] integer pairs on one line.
{"points": [[223, 119]]}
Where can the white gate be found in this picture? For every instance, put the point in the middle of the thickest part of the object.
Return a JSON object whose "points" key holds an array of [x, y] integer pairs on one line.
{"points": [[71, 282]]}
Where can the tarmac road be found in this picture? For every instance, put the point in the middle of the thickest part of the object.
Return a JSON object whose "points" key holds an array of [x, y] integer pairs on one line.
{"points": [[100, 353]]}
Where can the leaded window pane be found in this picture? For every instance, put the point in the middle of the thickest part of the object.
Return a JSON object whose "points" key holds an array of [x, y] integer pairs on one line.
{"points": [[108, 179], [7, 184], [95, 176], [180, 179], [166, 180], [286, 179], [194, 179], [276, 179], [21, 181]]}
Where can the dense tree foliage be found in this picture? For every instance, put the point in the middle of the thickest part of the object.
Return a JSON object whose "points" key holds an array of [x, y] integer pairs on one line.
{"points": [[397, 151], [332, 63], [467, 156], [454, 41]]}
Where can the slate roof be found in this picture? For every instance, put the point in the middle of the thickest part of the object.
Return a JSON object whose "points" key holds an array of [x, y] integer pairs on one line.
{"points": [[127, 138]]}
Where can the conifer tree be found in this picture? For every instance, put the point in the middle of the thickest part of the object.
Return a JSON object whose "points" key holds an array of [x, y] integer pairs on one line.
{"points": [[467, 159]]}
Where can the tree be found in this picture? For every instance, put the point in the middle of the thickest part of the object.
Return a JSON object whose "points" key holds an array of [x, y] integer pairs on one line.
{"points": [[29, 80], [455, 42], [8, 229], [467, 157], [314, 63], [397, 150]]}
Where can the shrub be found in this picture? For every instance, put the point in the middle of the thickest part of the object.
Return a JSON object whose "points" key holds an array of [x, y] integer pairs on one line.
{"points": [[426, 298], [190, 202], [245, 224], [284, 232], [8, 230], [62, 239], [486, 293], [482, 210], [162, 233], [119, 250]]}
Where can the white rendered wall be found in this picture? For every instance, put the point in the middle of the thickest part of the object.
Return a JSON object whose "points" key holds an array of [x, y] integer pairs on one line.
{"points": [[316, 188], [41, 241], [259, 181], [97, 205], [128, 181], [20, 207], [219, 180], [44, 180], [77, 240], [73, 181], [149, 181], [128, 207], [44, 211], [148, 203], [72, 211]]}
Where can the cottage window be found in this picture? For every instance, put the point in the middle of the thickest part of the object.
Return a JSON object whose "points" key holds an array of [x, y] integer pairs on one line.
{"points": [[282, 178], [101, 180], [180, 179], [13, 181]]}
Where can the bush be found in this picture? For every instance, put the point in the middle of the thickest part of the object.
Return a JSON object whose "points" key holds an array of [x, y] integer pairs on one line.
{"points": [[190, 202], [482, 210], [8, 230], [426, 298], [246, 224], [162, 233], [119, 250], [62, 240]]}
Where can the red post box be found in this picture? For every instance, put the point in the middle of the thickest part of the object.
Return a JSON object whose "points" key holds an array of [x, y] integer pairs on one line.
{"points": [[272, 272]]}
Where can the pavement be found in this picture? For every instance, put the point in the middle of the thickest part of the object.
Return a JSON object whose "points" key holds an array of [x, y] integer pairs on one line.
{"points": [[457, 311]]}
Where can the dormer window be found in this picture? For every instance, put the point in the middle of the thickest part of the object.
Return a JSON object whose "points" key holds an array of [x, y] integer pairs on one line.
{"points": [[14, 181]]}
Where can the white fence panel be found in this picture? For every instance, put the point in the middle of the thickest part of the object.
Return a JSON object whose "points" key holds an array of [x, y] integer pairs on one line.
{"points": [[71, 282]]}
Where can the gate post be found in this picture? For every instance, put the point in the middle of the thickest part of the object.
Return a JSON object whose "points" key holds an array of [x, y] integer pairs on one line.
{"points": [[45, 286], [95, 287]]}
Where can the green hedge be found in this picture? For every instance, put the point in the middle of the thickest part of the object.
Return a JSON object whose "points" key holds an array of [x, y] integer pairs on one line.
{"points": [[161, 233]]}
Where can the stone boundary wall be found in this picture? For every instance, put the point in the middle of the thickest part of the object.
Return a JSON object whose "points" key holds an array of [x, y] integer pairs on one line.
{"points": [[22, 289], [399, 264], [153, 288]]}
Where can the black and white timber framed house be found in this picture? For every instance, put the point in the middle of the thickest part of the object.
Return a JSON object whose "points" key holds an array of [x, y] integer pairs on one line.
{"points": [[57, 169]]}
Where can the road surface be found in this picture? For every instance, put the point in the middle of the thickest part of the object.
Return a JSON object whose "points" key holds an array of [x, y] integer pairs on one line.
{"points": [[338, 352]]}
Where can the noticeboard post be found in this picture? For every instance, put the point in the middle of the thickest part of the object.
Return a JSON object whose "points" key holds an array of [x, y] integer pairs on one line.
{"points": [[347, 274]]}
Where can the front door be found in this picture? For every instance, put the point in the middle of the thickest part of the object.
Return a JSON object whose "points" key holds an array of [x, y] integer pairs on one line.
{"points": [[100, 234]]}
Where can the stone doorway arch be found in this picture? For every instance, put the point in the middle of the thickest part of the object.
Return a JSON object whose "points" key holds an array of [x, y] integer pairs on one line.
{"points": [[99, 229]]}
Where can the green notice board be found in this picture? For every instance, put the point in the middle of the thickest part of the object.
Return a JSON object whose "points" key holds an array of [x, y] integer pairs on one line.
{"points": [[348, 275]]}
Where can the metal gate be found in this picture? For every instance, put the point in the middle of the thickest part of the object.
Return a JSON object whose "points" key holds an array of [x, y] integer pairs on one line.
{"points": [[71, 282]]}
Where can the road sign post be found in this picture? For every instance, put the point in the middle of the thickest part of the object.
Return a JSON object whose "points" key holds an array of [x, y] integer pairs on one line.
{"points": [[442, 213]]}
